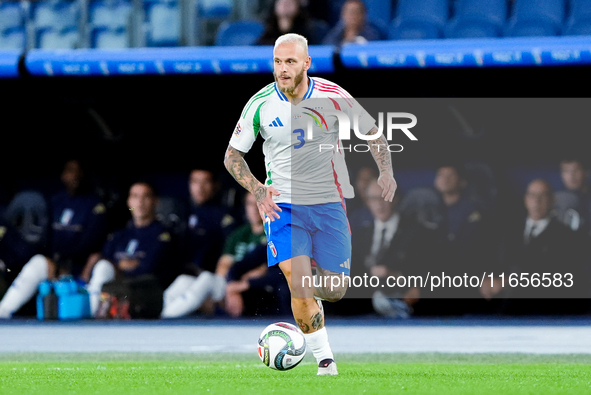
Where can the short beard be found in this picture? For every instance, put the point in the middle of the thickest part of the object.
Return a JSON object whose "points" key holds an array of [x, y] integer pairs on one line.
{"points": [[296, 82]]}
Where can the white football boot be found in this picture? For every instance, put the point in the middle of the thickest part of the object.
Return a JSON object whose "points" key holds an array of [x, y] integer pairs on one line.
{"points": [[327, 369]]}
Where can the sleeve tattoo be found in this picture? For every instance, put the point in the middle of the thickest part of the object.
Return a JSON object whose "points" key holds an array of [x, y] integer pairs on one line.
{"points": [[380, 153], [238, 168]]}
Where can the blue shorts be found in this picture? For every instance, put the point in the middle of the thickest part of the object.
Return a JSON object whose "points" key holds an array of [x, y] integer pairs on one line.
{"points": [[319, 231]]}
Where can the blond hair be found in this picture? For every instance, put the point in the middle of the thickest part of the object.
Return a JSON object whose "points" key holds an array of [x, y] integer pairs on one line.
{"points": [[293, 38]]}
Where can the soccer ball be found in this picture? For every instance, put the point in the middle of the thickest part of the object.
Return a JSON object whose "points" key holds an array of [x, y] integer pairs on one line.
{"points": [[282, 346]]}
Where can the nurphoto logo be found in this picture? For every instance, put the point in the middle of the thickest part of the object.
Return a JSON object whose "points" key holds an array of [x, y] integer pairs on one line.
{"points": [[391, 126]]}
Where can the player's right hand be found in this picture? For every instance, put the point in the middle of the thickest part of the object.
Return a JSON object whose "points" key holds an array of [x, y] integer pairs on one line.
{"points": [[388, 184], [267, 207]]}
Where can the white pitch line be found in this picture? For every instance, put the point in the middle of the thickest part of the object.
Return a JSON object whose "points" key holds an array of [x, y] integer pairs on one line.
{"points": [[352, 339]]}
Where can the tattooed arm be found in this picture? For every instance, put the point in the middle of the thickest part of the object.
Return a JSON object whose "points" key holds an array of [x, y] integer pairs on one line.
{"points": [[383, 158], [236, 165]]}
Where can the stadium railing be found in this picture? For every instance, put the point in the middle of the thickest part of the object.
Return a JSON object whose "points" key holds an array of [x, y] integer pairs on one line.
{"points": [[9, 63], [488, 52], [182, 60]]}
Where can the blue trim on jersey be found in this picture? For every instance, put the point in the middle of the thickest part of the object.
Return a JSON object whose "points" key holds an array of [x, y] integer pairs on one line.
{"points": [[280, 94], [310, 88]]}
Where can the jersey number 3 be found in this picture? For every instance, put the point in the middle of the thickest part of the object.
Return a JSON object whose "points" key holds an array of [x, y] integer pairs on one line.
{"points": [[300, 137]]}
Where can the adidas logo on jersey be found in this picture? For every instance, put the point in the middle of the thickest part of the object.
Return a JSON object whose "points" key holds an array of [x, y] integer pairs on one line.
{"points": [[276, 123], [346, 264]]}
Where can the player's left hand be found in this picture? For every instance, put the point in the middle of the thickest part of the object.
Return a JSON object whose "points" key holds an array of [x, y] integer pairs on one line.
{"points": [[388, 184]]}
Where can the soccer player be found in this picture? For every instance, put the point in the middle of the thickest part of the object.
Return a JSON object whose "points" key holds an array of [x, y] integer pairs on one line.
{"points": [[301, 200]]}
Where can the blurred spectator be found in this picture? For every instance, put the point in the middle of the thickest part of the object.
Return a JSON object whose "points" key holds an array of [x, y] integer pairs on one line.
{"points": [[141, 248], [188, 293], [468, 242], [77, 232], [464, 218], [318, 9], [537, 244], [208, 225], [78, 222], [255, 289], [15, 251], [357, 207], [353, 26], [390, 245], [289, 16], [252, 287], [573, 205]]}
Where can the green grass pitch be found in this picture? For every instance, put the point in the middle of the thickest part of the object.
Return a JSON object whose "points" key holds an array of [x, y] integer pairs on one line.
{"points": [[111, 373]]}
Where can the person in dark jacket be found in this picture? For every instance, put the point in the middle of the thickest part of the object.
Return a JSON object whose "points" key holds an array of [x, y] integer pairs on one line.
{"points": [[538, 243], [141, 248], [391, 245], [77, 232]]}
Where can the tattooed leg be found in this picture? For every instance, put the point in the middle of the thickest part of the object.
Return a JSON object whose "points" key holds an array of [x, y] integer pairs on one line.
{"points": [[303, 326], [305, 309], [317, 321], [330, 290]]}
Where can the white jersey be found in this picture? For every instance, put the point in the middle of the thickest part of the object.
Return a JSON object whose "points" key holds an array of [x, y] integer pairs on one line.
{"points": [[305, 166]]}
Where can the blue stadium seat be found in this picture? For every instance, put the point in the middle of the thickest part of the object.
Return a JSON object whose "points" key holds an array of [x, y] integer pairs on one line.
{"points": [[163, 23], [419, 19], [536, 18], [11, 16], [238, 33], [579, 20], [49, 38], [113, 14], [13, 38], [56, 14], [215, 8], [477, 18], [106, 38]]}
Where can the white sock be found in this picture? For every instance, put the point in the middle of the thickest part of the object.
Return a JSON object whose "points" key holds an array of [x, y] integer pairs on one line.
{"points": [[318, 343], [191, 299], [219, 288], [102, 273], [24, 286], [177, 288]]}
